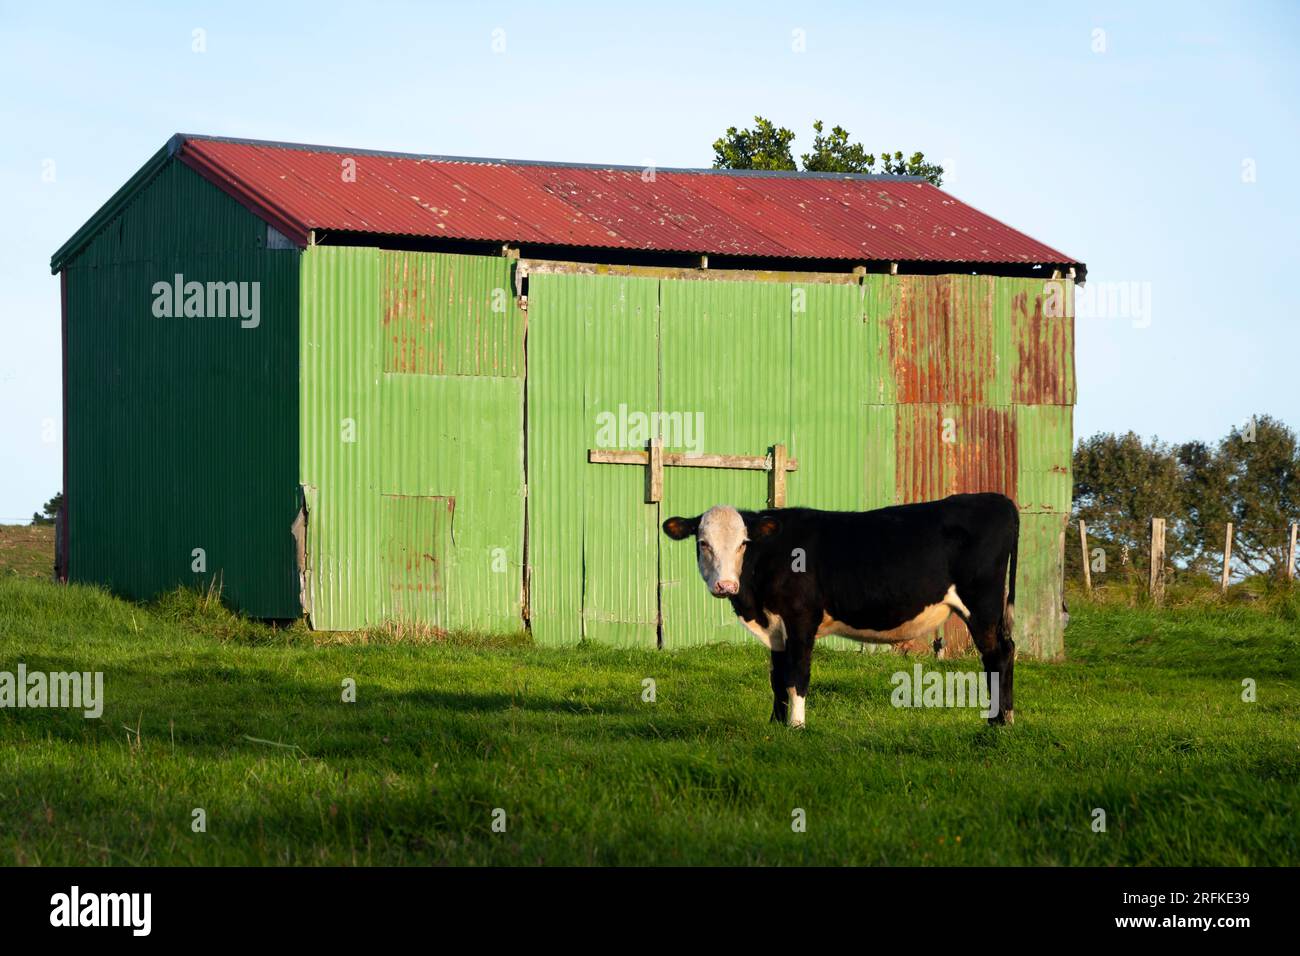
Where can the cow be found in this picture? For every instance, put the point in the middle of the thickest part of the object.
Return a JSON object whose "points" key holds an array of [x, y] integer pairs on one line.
{"points": [[883, 576]]}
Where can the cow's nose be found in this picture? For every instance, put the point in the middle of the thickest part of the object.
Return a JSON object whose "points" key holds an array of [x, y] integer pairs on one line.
{"points": [[726, 587]]}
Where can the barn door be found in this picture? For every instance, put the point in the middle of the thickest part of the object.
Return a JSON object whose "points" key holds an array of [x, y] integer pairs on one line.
{"points": [[725, 349], [593, 346], [614, 362]]}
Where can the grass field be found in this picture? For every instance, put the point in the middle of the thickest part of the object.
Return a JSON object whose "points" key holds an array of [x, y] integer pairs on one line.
{"points": [[205, 710]]}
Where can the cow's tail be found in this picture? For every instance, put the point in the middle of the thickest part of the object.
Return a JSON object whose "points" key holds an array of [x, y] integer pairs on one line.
{"points": [[1009, 608]]}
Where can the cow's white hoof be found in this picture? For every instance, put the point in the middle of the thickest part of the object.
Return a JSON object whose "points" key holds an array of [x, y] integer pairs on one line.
{"points": [[796, 725], [1011, 717]]}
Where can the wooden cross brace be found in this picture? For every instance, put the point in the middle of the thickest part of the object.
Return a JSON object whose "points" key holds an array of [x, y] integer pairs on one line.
{"points": [[776, 463]]}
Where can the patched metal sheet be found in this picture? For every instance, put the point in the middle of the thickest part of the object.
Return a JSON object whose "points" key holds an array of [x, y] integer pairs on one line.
{"points": [[370, 435], [415, 555], [450, 315], [1039, 629], [1042, 341], [954, 449], [1045, 441]]}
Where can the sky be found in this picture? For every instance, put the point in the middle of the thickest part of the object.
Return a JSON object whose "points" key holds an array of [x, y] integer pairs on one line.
{"points": [[1152, 144]]}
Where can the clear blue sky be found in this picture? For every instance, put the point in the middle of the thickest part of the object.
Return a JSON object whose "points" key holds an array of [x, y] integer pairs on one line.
{"points": [[1130, 159]]}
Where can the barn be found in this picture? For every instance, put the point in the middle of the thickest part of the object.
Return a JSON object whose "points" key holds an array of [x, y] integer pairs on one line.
{"points": [[375, 388]]}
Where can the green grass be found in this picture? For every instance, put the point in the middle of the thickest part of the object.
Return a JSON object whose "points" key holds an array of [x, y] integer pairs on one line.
{"points": [[205, 709], [27, 550]]}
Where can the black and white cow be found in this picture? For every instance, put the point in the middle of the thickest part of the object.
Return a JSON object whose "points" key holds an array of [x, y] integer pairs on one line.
{"points": [[885, 576]]}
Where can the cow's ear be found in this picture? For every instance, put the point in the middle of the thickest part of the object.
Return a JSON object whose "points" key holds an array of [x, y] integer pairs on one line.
{"points": [[764, 527], [679, 528]]}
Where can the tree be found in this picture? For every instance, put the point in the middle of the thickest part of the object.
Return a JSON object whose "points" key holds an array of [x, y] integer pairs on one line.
{"points": [[1206, 502], [767, 146], [52, 508], [1262, 465], [1120, 483], [1251, 478], [764, 147]]}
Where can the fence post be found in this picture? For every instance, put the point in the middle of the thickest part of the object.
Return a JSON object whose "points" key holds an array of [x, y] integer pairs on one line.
{"points": [[1156, 583], [1227, 558], [1290, 554], [1083, 544]]}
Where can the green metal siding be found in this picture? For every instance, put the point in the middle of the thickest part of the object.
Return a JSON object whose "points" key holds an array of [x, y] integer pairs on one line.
{"points": [[379, 425], [726, 355], [818, 366], [593, 541], [830, 385], [1045, 439], [1038, 631], [182, 432]]}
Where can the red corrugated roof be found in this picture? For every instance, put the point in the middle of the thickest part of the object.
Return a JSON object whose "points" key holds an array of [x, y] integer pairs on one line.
{"points": [[761, 215]]}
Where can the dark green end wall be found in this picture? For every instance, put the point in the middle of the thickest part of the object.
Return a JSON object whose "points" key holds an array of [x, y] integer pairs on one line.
{"points": [[182, 433]]}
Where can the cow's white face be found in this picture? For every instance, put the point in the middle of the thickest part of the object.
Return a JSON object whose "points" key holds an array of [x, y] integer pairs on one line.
{"points": [[720, 549], [721, 539]]}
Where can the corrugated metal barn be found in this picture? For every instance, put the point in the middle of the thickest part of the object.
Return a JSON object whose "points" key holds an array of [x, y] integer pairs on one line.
{"points": [[459, 393]]}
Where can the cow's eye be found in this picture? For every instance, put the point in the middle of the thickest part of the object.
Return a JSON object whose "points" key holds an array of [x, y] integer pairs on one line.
{"points": [[704, 547]]}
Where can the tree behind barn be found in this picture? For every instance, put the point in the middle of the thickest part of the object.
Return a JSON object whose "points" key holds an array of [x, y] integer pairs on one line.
{"points": [[768, 146]]}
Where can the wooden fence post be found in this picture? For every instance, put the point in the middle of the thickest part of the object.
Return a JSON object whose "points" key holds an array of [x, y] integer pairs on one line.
{"points": [[1156, 582], [1227, 558], [1083, 545], [1290, 554]]}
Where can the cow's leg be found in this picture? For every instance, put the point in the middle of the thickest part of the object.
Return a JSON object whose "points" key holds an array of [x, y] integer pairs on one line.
{"points": [[990, 629], [799, 639], [777, 670]]}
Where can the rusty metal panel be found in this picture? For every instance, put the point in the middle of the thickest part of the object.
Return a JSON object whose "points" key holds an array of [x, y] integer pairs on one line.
{"points": [[740, 384], [954, 449], [1042, 347], [451, 315], [944, 343]]}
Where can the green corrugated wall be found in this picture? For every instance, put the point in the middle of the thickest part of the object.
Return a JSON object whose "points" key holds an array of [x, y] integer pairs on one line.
{"points": [[897, 389], [412, 439], [182, 433]]}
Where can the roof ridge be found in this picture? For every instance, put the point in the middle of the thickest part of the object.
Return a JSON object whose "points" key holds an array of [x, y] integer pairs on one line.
{"points": [[179, 139]]}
